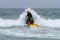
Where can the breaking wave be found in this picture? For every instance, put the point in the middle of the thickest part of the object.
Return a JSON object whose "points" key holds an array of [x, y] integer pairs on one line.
{"points": [[29, 32], [37, 19]]}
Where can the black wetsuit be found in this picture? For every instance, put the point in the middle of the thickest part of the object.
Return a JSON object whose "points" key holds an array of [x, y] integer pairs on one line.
{"points": [[30, 18]]}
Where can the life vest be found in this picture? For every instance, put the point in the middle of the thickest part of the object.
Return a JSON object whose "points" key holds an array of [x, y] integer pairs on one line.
{"points": [[29, 22]]}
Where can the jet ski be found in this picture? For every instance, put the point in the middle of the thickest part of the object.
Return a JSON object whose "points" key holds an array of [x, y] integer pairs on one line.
{"points": [[30, 20]]}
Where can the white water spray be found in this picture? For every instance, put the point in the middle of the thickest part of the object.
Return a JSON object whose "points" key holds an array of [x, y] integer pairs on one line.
{"points": [[37, 20]]}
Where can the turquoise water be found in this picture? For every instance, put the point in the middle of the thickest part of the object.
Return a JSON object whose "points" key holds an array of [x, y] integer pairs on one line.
{"points": [[24, 33]]}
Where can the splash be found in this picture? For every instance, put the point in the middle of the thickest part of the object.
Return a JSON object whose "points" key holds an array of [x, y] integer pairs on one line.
{"points": [[27, 32], [37, 20], [40, 21]]}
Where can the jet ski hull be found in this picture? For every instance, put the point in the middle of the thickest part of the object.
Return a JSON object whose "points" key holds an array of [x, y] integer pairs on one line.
{"points": [[33, 25]]}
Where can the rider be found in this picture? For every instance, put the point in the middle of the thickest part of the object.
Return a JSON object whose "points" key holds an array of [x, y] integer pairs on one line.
{"points": [[29, 18]]}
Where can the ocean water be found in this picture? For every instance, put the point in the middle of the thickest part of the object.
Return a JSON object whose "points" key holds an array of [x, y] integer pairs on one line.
{"points": [[13, 27]]}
